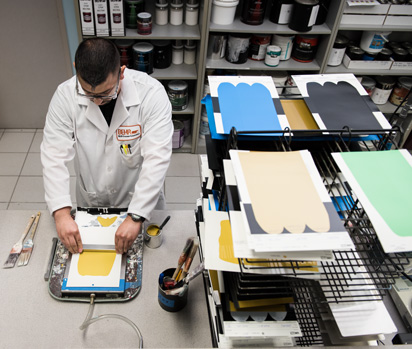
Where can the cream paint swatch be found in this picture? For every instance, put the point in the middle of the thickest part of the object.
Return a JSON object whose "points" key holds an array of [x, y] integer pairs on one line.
{"points": [[282, 193], [106, 222], [96, 263]]}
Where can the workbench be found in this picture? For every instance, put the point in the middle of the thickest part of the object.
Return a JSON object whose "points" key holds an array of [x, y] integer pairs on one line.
{"points": [[31, 318]]}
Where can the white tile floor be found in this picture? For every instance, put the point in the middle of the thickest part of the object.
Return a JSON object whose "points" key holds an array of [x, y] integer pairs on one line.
{"points": [[21, 183]]}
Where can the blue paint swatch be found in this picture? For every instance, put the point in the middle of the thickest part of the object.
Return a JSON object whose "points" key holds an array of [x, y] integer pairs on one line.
{"points": [[248, 108]]}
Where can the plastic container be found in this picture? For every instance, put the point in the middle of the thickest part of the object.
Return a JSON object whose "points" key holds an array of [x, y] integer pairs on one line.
{"points": [[144, 23], [176, 12], [132, 8], [177, 52], [223, 11], [281, 11], [373, 42], [162, 12], [192, 12], [237, 48], [162, 53], [285, 42], [190, 52]]}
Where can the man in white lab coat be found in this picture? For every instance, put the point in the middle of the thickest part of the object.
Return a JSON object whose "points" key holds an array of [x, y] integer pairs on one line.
{"points": [[116, 124]]}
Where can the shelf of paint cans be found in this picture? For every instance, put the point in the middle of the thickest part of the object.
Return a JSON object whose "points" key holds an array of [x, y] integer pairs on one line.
{"points": [[341, 69], [266, 27], [289, 64], [168, 31], [176, 71]]}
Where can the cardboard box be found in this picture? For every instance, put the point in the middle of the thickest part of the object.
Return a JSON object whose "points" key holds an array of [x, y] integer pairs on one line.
{"points": [[365, 65], [101, 17], [116, 18], [86, 17], [352, 19], [402, 66]]}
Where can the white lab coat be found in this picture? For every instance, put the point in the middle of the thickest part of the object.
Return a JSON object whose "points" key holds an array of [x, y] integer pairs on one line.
{"points": [[106, 176]]}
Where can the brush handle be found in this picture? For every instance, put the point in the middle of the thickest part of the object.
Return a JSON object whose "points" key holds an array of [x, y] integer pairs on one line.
{"points": [[27, 229], [164, 222], [36, 222]]}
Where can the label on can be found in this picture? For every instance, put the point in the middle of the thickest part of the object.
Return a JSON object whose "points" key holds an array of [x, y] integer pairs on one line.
{"points": [[178, 134]]}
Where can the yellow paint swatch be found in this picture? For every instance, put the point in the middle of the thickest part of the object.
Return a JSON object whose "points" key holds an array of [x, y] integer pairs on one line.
{"points": [[226, 252], [282, 192], [106, 222], [96, 263], [298, 115]]}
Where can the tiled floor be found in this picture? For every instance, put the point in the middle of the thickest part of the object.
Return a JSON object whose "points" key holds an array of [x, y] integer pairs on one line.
{"points": [[21, 183]]}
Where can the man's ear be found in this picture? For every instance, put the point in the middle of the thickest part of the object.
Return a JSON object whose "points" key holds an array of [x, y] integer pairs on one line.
{"points": [[122, 68]]}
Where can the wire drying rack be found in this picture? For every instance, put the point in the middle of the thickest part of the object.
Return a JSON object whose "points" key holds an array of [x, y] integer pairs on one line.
{"points": [[363, 274]]}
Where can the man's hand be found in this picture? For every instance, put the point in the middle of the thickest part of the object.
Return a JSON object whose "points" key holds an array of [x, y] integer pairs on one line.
{"points": [[126, 234], [67, 230]]}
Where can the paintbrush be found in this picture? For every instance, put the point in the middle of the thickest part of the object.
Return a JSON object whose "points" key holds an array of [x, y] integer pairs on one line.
{"points": [[189, 259], [16, 250], [183, 256], [28, 244]]}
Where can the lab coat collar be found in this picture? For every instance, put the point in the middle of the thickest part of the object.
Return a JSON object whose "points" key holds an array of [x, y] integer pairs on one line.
{"points": [[128, 97]]}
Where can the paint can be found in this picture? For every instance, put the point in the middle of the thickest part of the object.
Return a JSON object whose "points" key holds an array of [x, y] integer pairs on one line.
{"points": [[237, 48], [400, 55], [187, 123], [279, 78], [217, 46], [355, 53], [401, 90], [285, 42], [178, 95], [257, 46], [384, 55], [153, 237], [305, 47], [281, 11], [143, 57], [132, 8], [338, 50], [178, 137], [383, 89], [272, 57], [162, 53], [368, 84], [291, 87], [125, 51], [304, 15], [171, 303], [369, 56], [323, 11], [144, 23], [253, 11], [373, 42], [204, 125], [223, 11]]}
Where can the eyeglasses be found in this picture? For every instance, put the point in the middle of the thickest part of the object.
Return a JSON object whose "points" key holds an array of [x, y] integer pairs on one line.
{"points": [[102, 97]]}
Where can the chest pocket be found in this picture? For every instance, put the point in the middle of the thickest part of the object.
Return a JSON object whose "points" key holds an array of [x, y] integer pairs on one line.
{"points": [[130, 153]]}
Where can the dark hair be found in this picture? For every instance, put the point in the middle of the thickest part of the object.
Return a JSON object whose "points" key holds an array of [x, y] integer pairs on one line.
{"points": [[95, 59]]}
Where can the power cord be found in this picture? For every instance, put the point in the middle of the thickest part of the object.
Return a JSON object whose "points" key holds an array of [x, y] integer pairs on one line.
{"points": [[89, 320]]}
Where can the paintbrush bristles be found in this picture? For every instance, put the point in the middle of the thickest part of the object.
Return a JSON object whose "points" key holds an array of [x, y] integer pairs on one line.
{"points": [[183, 256]]}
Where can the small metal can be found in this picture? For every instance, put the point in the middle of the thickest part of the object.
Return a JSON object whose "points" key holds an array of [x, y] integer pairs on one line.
{"points": [[401, 90], [258, 45], [383, 89], [400, 55], [368, 84], [178, 94], [144, 23], [272, 57], [384, 55], [355, 53]]}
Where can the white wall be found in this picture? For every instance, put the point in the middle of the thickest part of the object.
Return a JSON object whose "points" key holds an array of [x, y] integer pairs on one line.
{"points": [[34, 59]]}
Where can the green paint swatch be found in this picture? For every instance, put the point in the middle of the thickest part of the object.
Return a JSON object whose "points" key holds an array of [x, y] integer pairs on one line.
{"points": [[386, 179]]}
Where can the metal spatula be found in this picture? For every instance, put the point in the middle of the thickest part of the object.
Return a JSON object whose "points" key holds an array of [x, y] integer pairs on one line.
{"points": [[28, 244]]}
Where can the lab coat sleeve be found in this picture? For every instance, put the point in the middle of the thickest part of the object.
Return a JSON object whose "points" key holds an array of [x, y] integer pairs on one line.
{"points": [[57, 149], [156, 149]]}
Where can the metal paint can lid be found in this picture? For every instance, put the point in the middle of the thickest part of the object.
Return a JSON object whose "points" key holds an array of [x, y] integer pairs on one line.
{"points": [[177, 86], [143, 47]]}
